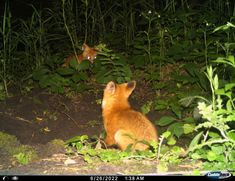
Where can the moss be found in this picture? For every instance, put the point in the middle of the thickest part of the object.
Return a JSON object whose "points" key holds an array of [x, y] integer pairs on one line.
{"points": [[57, 142], [11, 147], [53, 147], [8, 142], [56, 146]]}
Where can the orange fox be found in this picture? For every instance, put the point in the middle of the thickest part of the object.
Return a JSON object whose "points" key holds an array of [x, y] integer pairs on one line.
{"points": [[123, 125], [87, 54]]}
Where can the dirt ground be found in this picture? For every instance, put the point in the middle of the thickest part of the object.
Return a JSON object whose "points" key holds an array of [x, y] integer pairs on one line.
{"points": [[40, 117]]}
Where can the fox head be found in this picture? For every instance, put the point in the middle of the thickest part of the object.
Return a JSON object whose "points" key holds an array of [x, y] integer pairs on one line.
{"points": [[117, 94], [89, 53]]}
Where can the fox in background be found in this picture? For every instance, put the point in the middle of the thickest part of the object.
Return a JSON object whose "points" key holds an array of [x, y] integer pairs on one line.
{"points": [[123, 125], [89, 53]]}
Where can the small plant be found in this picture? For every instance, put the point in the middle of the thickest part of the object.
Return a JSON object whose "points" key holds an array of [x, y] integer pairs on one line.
{"points": [[90, 154], [13, 149], [177, 127], [216, 140], [57, 79], [146, 108], [93, 153], [166, 155], [110, 66], [193, 74], [24, 158]]}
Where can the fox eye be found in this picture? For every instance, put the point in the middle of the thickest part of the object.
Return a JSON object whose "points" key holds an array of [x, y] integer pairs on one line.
{"points": [[88, 57]]}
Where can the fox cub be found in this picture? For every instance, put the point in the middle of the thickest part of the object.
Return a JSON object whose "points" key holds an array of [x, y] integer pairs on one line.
{"points": [[87, 54], [123, 125]]}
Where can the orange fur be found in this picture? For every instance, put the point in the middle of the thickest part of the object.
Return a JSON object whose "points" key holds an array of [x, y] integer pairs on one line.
{"points": [[123, 125], [87, 54]]}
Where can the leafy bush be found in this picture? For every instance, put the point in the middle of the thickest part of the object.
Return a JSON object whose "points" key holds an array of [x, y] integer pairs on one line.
{"points": [[216, 140]]}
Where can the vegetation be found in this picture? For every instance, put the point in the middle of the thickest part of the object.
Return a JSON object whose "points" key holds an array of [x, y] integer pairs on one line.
{"points": [[184, 50], [12, 148]]}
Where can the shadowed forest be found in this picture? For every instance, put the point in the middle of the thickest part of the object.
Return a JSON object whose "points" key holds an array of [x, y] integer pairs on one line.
{"points": [[56, 57]]}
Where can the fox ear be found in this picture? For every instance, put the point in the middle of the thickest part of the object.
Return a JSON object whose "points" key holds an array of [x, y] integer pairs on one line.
{"points": [[131, 85], [110, 87], [84, 46]]}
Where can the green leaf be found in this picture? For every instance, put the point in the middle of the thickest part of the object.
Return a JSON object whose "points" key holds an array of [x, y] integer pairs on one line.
{"points": [[146, 108], [92, 152], [160, 85], [220, 92], [229, 86], [78, 145], [196, 156], [161, 104], [191, 68], [76, 78], [229, 106], [188, 128], [189, 120], [83, 138], [216, 82], [162, 167], [84, 65], [232, 156], [213, 135], [65, 71], [231, 58], [211, 156], [165, 120], [22, 158], [177, 110], [171, 141], [88, 159], [218, 149], [83, 76], [176, 129], [166, 134], [77, 139], [202, 80], [195, 140], [73, 63], [187, 101], [209, 71], [38, 74], [196, 172], [224, 27], [231, 135]]}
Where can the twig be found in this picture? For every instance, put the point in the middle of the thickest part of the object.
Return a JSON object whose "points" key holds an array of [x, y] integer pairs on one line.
{"points": [[67, 115], [17, 117], [22, 119]]}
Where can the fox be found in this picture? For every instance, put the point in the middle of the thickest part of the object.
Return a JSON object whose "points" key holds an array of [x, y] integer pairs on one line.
{"points": [[123, 125], [89, 53]]}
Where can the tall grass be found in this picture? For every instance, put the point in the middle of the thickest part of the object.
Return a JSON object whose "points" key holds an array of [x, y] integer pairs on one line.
{"points": [[8, 47], [33, 33], [175, 30]]}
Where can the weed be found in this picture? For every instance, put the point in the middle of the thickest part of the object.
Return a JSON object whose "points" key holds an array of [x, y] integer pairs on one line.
{"points": [[22, 153]]}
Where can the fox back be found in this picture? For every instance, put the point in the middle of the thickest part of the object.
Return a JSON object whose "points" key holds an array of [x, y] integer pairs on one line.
{"points": [[87, 54], [124, 126]]}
